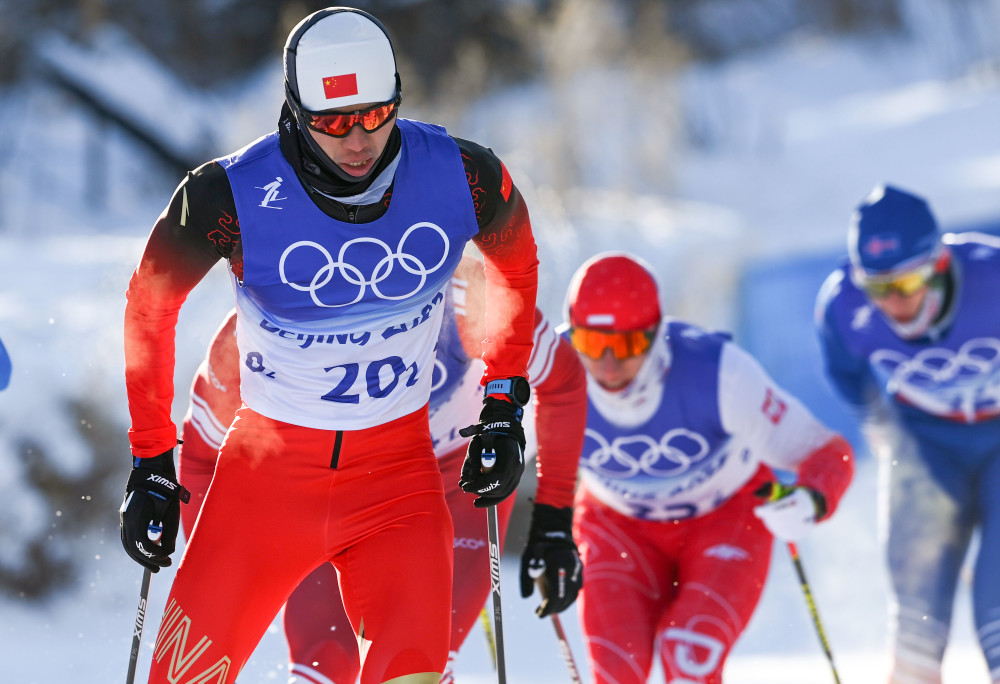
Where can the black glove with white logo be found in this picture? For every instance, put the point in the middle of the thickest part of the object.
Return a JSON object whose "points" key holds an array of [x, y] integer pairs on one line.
{"points": [[150, 514], [551, 560], [494, 461]]}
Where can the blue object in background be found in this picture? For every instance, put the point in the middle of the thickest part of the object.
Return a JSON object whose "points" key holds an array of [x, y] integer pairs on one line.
{"points": [[4, 367], [776, 302]]}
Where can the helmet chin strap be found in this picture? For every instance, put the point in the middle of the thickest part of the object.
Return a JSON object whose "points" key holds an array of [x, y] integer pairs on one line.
{"points": [[930, 311]]}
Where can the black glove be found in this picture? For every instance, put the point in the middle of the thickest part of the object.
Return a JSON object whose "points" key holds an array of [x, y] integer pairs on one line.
{"points": [[150, 514], [552, 560], [494, 462]]}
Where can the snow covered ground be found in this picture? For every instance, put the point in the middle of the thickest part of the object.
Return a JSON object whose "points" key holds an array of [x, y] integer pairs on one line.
{"points": [[86, 636], [794, 138]]}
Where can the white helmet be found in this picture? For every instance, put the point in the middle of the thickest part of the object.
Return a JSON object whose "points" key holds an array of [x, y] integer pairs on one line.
{"points": [[337, 57]]}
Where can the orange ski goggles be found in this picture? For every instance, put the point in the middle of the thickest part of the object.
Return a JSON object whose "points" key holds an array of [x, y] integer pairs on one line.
{"points": [[624, 345], [340, 124]]}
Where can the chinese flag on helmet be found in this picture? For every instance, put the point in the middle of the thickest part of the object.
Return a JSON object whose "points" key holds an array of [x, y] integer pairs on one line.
{"points": [[340, 86]]}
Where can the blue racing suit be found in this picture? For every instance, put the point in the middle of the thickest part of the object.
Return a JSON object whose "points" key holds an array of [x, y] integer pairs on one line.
{"points": [[930, 408]]}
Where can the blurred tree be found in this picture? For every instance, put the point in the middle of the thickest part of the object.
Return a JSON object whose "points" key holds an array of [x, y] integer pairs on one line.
{"points": [[69, 515], [447, 48], [717, 29]]}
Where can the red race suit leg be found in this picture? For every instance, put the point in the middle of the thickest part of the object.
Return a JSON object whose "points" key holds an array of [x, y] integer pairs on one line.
{"points": [[284, 500], [196, 465], [321, 643], [686, 588]]}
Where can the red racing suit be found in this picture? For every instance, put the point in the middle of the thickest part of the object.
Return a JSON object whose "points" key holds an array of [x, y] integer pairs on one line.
{"points": [[322, 644], [287, 497], [674, 558]]}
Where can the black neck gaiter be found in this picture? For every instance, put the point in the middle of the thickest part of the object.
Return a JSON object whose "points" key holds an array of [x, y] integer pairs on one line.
{"points": [[316, 170]]}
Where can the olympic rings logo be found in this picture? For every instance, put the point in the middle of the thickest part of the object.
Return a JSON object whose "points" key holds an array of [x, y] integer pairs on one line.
{"points": [[469, 543], [624, 457], [972, 366], [351, 275]]}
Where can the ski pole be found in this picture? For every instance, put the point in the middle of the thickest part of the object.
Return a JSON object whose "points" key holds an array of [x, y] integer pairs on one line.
{"points": [[794, 552], [564, 649], [493, 531], [574, 674], [140, 619], [484, 617]]}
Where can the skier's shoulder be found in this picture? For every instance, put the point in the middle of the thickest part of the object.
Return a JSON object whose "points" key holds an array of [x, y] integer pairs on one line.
{"points": [[838, 295], [207, 183], [203, 211], [253, 150], [482, 167], [684, 335], [973, 245], [489, 181]]}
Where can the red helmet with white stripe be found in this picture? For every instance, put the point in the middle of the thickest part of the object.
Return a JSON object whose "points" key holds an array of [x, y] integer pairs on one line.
{"points": [[613, 291]]}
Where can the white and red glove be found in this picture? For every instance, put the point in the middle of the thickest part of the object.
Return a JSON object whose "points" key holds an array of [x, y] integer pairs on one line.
{"points": [[791, 512]]}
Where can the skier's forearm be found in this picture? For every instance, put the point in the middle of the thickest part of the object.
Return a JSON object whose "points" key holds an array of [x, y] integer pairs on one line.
{"points": [[158, 287]]}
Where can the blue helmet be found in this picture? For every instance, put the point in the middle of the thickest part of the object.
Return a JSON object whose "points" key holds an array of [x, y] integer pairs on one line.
{"points": [[892, 230]]}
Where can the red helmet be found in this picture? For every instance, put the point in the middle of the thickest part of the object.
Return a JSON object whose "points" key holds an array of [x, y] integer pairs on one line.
{"points": [[613, 291]]}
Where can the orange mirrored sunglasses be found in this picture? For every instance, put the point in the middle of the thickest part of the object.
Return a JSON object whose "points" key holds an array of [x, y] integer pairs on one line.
{"points": [[340, 124], [624, 345]]}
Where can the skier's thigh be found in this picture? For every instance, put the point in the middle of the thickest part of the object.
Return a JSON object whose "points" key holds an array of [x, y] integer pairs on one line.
{"points": [[722, 572], [986, 589], [263, 556], [396, 587], [320, 637], [929, 529], [625, 589]]}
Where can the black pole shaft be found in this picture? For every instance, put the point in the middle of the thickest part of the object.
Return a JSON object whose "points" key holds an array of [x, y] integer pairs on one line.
{"points": [[493, 532], [140, 619]]}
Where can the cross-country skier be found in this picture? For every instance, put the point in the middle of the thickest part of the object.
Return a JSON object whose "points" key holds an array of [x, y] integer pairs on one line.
{"points": [[342, 229], [322, 647], [910, 334], [672, 526]]}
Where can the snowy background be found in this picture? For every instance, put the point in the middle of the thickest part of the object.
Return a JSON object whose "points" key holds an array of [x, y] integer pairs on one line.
{"points": [[735, 178]]}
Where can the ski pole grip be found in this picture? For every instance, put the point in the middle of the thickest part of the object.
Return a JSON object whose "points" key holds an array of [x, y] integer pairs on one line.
{"points": [[488, 459]]}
